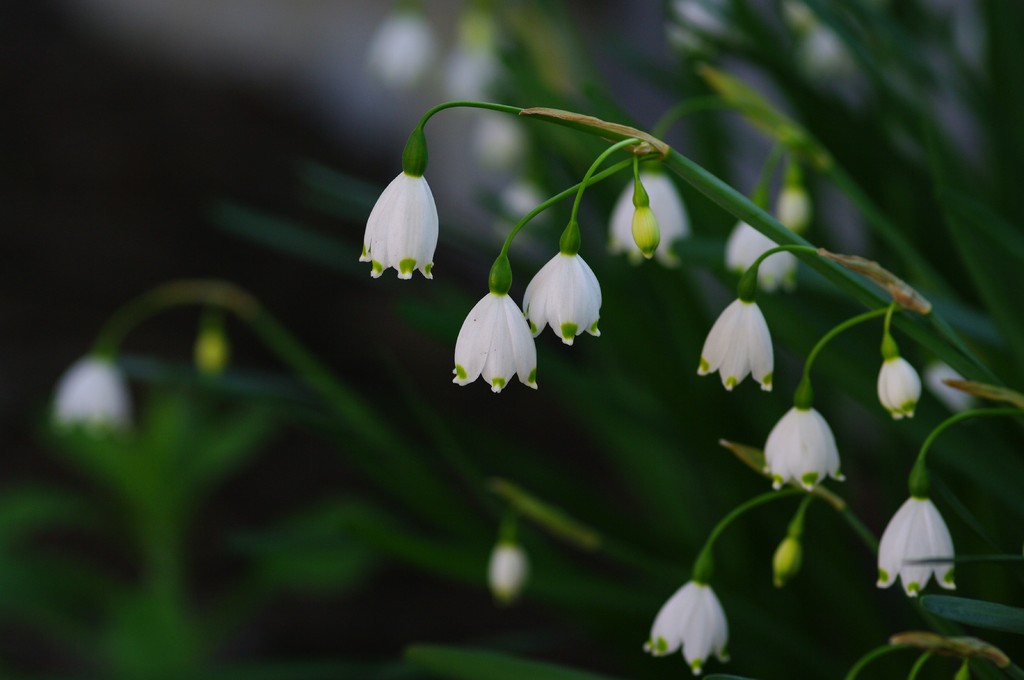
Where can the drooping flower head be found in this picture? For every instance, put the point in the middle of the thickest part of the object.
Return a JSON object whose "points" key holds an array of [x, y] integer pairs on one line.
{"points": [[495, 341], [665, 204], [899, 387], [801, 448], [693, 619], [916, 532], [507, 572], [564, 294], [739, 344], [403, 49], [746, 244], [92, 393], [401, 231]]}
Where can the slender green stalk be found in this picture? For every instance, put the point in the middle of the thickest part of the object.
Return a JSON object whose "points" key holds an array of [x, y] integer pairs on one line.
{"points": [[918, 665], [685, 108], [871, 656], [825, 339], [503, 108], [601, 176], [702, 566], [764, 179]]}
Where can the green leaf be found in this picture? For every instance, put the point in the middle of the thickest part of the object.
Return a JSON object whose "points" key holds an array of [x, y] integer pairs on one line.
{"points": [[469, 664], [979, 613]]}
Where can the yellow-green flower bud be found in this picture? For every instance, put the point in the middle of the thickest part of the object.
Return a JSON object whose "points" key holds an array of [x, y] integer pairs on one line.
{"points": [[646, 233], [211, 351], [787, 560]]}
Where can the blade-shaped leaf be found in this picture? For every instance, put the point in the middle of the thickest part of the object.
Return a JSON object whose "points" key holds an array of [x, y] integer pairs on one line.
{"points": [[471, 664], [979, 613]]}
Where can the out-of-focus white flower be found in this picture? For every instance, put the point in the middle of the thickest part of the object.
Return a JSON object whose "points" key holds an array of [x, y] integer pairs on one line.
{"points": [[793, 208], [739, 343], [899, 387], [916, 532], [499, 142], [801, 448], [403, 49], [507, 572], [823, 55], [693, 619], [495, 342], [952, 398], [401, 231], [520, 197], [564, 294], [472, 66], [668, 208], [746, 244], [694, 25], [92, 393]]}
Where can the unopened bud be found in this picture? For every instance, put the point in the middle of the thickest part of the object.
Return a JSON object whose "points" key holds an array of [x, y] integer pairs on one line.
{"points": [[211, 350], [793, 208], [507, 571], [787, 560], [646, 233]]}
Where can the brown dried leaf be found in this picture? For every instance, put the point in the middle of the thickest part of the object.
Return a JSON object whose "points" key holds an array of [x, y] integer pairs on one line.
{"points": [[961, 647], [986, 391], [900, 290], [615, 131]]}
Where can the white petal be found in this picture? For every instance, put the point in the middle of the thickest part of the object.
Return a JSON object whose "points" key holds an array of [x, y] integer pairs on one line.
{"points": [[475, 337], [402, 228], [402, 49], [899, 387], [524, 350], [693, 619], [92, 393], [722, 340], [507, 571], [801, 445], [564, 291]]}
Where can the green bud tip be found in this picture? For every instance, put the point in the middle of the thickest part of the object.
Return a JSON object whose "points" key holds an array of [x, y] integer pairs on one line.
{"points": [[500, 278], [414, 157], [646, 233]]}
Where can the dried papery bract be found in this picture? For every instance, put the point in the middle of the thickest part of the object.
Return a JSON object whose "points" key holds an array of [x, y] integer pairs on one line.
{"points": [[904, 294], [963, 647]]}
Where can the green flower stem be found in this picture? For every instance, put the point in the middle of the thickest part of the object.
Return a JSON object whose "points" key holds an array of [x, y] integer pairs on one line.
{"points": [[209, 293], [747, 288], [918, 482], [918, 665], [764, 179], [503, 108], [685, 108], [858, 527], [796, 525], [593, 168], [825, 339], [603, 175], [703, 565], [871, 656], [937, 340]]}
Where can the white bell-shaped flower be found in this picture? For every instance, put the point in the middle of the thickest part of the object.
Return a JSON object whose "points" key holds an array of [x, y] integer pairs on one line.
{"points": [[899, 387], [495, 342], [507, 572], [564, 294], [801, 448], [693, 619], [669, 210], [92, 393], [916, 532], [746, 244], [793, 208], [401, 231], [739, 343], [402, 50], [499, 142], [955, 400]]}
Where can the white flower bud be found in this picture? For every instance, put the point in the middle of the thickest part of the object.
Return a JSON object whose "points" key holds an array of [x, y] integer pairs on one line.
{"points": [[507, 572]]}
